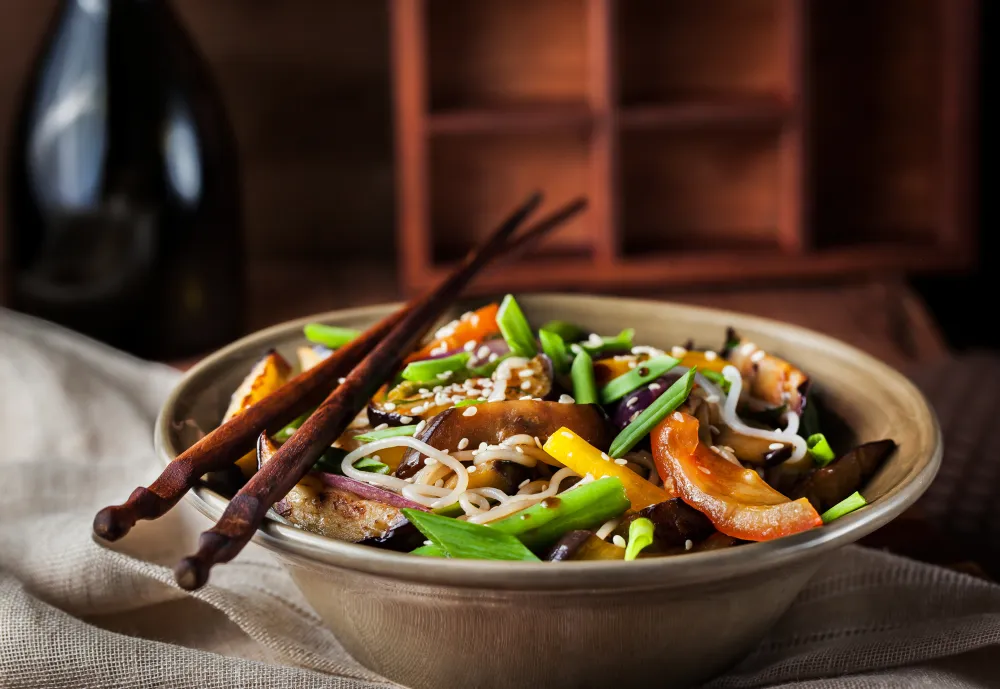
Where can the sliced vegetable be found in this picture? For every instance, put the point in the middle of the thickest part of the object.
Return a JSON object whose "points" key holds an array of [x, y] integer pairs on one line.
{"points": [[569, 332], [852, 502], [629, 407], [461, 539], [717, 378], [452, 510], [268, 374], [643, 374], [582, 373], [622, 342], [674, 523], [653, 414], [289, 430], [468, 403], [496, 473], [429, 551], [583, 458], [514, 326], [825, 487], [819, 449], [737, 501], [478, 326], [331, 336], [596, 549], [496, 421], [394, 432], [330, 461], [555, 348], [566, 546], [371, 464], [640, 535], [368, 491], [436, 370], [769, 378], [585, 506], [705, 361]]}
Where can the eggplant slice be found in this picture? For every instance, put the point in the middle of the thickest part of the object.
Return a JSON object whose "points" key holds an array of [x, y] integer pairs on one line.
{"points": [[494, 422], [825, 487], [674, 523]]}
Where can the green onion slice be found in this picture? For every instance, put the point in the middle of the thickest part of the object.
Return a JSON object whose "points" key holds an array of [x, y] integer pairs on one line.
{"points": [[819, 449], [429, 551], [289, 430], [331, 336], [718, 379], [854, 501], [555, 348], [461, 539], [515, 328], [582, 373], [468, 403], [640, 535], [371, 464], [435, 370], [653, 414], [643, 373], [569, 332], [393, 432], [622, 340]]}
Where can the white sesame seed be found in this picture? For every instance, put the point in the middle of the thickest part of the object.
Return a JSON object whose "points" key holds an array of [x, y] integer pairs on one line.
{"points": [[381, 427], [445, 375], [525, 373], [470, 410], [389, 406], [705, 470], [526, 385], [475, 319], [405, 420], [775, 446], [595, 339], [428, 542], [342, 380], [523, 483], [430, 460], [634, 416], [482, 352], [566, 434], [419, 409], [439, 483], [654, 386], [538, 442], [710, 355], [757, 356], [438, 388], [688, 544], [518, 449], [605, 457], [631, 402], [471, 468], [447, 452], [712, 399], [465, 316], [677, 416], [525, 397], [473, 393], [619, 541], [376, 458], [632, 364], [678, 352], [420, 427], [493, 357], [747, 348], [483, 446], [621, 461], [469, 346], [463, 443], [566, 399]]}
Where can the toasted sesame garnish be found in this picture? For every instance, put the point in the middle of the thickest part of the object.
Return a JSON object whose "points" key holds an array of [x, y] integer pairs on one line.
{"points": [[757, 356], [389, 406], [566, 434], [342, 380], [470, 410], [469, 346], [526, 385], [688, 544], [405, 420], [463, 443], [471, 468], [678, 352], [605, 457], [619, 541], [566, 399], [381, 427], [621, 461], [710, 355]]}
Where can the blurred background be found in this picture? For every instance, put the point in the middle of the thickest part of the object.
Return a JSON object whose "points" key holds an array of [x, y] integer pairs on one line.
{"points": [[178, 172]]}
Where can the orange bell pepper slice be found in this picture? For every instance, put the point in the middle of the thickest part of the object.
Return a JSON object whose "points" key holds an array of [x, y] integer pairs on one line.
{"points": [[737, 501], [479, 326]]}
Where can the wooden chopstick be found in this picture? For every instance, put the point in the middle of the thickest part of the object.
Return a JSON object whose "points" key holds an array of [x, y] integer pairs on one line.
{"points": [[297, 455]]}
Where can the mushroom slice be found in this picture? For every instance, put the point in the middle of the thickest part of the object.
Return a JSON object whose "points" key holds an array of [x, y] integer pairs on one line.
{"points": [[825, 487]]}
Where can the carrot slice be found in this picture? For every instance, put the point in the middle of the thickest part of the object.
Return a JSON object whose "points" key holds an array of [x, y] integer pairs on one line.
{"points": [[478, 326]]}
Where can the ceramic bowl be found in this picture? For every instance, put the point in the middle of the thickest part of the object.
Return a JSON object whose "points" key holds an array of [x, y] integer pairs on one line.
{"points": [[672, 621]]}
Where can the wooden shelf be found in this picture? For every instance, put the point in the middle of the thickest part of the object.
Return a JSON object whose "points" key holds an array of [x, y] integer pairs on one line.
{"points": [[511, 119], [721, 113], [723, 140]]}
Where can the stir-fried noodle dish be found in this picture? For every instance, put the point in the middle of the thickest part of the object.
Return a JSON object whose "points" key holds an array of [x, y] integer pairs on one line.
{"points": [[503, 440]]}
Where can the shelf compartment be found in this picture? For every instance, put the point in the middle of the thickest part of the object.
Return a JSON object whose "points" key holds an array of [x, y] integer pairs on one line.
{"points": [[678, 50], [741, 112], [506, 52], [477, 179], [877, 153], [511, 119], [699, 191]]}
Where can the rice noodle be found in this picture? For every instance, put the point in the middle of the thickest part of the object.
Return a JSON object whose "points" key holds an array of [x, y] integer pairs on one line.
{"points": [[731, 419], [520, 501]]}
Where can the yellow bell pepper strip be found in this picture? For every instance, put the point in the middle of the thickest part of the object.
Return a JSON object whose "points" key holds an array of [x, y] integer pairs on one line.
{"points": [[584, 458]]}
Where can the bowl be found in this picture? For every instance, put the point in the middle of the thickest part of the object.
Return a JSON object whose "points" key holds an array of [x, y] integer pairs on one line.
{"points": [[670, 622]]}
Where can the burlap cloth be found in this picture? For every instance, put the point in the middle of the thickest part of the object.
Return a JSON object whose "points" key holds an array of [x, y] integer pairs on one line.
{"points": [[75, 420]]}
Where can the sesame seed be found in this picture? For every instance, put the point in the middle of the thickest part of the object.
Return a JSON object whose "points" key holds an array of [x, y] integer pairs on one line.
{"points": [[471, 468], [473, 393], [446, 451], [710, 355], [678, 352], [632, 364], [465, 316], [538, 442], [475, 319], [463, 443], [619, 541], [381, 427], [634, 416], [430, 460], [677, 416], [419, 409], [470, 411], [428, 542], [438, 388], [688, 544], [439, 483], [342, 380], [747, 348], [493, 357], [595, 339], [469, 346], [525, 373], [654, 386], [526, 385], [424, 391], [621, 462], [405, 420], [483, 446], [445, 376], [523, 483], [519, 449], [631, 402], [712, 399], [525, 397], [376, 458], [566, 434], [420, 427], [705, 470], [757, 356], [775, 446], [566, 399], [389, 406], [482, 352], [605, 457]]}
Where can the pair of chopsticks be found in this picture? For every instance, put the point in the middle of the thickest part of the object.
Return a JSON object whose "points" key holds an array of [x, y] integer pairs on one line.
{"points": [[364, 363]]}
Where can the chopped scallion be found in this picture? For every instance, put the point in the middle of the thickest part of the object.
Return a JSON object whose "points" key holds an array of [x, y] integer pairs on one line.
{"points": [[429, 370], [653, 414], [429, 551], [718, 379], [569, 332], [452, 510], [640, 535], [289, 430], [852, 502], [515, 328], [555, 348], [487, 369], [620, 342], [468, 403], [582, 373], [461, 539], [644, 373], [331, 336], [371, 464], [820, 450], [394, 432]]}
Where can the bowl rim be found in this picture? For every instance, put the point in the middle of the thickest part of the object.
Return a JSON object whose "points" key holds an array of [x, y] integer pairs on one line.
{"points": [[316, 551]]}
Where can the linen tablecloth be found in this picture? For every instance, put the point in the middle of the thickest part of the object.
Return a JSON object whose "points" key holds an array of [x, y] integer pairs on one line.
{"points": [[75, 423]]}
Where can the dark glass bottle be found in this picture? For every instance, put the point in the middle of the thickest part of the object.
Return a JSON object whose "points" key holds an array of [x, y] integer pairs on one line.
{"points": [[124, 217]]}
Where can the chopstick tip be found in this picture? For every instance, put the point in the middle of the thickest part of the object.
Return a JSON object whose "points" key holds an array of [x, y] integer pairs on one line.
{"points": [[109, 526], [190, 574]]}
